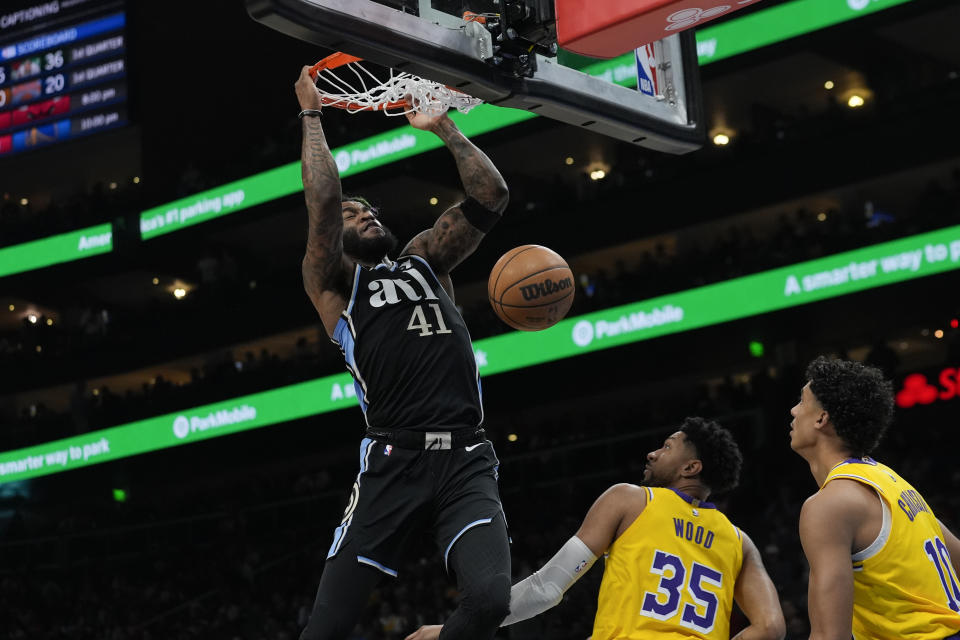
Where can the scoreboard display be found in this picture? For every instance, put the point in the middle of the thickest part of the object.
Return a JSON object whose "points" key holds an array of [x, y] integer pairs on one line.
{"points": [[63, 72]]}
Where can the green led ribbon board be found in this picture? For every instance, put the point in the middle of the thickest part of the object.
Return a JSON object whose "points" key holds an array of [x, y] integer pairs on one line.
{"points": [[838, 275], [713, 43], [780, 23], [351, 159], [65, 247]]}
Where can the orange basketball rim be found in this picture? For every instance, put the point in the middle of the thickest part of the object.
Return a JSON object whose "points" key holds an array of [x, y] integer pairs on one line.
{"points": [[354, 88]]}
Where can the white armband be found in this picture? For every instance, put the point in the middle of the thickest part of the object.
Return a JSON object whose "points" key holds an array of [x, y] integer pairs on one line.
{"points": [[545, 588]]}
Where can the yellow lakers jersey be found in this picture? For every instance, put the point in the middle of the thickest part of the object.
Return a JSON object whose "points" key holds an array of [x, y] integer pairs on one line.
{"points": [[904, 585], [671, 573]]}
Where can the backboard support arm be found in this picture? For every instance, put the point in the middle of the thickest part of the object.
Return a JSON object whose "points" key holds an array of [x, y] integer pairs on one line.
{"points": [[455, 57]]}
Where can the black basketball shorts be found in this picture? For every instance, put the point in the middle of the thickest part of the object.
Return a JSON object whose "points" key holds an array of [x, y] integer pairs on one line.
{"points": [[402, 492]]}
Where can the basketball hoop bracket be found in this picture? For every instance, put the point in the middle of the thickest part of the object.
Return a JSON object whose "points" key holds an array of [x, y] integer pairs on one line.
{"points": [[458, 55]]}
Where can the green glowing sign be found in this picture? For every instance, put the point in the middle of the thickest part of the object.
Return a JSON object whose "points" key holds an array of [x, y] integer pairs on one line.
{"points": [[838, 275], [780, 23], [200, 423], [65, 247], [220, 201], [713, 43], [351, 159]]}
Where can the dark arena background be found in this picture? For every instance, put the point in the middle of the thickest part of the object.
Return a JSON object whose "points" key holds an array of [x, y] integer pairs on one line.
{"points": [[178, 436]]}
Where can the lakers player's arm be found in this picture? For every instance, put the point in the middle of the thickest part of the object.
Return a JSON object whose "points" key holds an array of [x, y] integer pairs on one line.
{"points": [[757, 597], [544, 589], [829, 522], [326, 273], [609, 516], [458, 232], [953, 546]]}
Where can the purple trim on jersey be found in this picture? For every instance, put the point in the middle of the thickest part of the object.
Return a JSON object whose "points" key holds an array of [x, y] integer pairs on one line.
{"points": [[690, 499]]}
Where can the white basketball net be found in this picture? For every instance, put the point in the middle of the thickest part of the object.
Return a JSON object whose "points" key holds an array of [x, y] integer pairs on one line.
{"points": [[369, 93]]}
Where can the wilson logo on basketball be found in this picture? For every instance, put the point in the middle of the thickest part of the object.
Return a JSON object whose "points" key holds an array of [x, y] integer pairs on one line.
{"points": [[545, 288]]}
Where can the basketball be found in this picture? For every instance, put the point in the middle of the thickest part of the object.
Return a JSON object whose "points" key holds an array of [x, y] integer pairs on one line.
{"points": [[531, 288]]}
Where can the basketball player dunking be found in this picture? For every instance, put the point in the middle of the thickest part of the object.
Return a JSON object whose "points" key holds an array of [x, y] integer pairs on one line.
{"points": [[424, 461], [881, 564], [675, 564]]}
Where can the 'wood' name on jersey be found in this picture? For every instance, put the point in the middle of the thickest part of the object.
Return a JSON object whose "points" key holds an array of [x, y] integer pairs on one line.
{"points": [[671, 574], [409, 350]]}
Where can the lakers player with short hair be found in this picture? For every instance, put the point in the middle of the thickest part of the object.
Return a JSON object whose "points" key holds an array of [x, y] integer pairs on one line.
{"points": [[674, 563], [881, 564]]}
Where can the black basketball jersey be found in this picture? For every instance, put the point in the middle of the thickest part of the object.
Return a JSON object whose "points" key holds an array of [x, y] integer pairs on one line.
{"points": [[409, 350]]}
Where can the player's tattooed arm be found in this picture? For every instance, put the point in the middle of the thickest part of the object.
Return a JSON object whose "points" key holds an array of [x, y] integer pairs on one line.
{"points": [[452, 238], [440, 250], [481, 180], [325, 271]]}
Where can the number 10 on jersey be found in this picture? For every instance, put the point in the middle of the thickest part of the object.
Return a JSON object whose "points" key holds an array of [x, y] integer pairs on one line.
{"points": [[940, 557]]}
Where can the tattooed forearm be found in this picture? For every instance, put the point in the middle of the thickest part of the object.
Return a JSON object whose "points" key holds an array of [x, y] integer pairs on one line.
{"points": [[480, 178], [447, 243], [454, 240], [323, 263], [452, 237]]}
